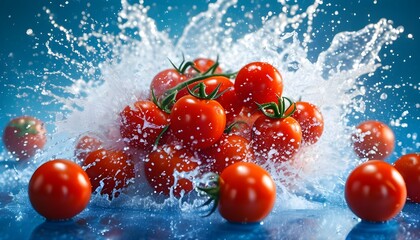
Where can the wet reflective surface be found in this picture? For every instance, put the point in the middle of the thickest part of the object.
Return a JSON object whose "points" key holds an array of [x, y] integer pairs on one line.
{"points": [[331, 222]]}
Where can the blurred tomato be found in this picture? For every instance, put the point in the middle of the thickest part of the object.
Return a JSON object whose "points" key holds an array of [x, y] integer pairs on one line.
{"points": [[23, 136], [373, 140], [409, 167]]}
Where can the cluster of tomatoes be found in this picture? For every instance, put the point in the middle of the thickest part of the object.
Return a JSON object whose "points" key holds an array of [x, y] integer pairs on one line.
{"points": [[376, 190], [199, 119]]}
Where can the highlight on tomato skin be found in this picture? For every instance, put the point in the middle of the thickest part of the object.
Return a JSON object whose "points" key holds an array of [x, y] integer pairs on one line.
{"points": [[409, 167], [59, 189], [24, 136], [373, 140], [375, 191]]}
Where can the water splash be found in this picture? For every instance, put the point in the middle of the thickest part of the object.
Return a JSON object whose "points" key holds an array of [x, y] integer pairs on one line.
{"points": [[111, 70]]}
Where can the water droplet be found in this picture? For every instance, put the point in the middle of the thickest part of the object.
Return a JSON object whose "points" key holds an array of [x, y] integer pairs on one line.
{"points": [[384, 96]]}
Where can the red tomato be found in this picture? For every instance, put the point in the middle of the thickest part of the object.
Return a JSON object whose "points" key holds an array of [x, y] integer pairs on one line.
{"points": [[310, 120], [228, 99], [142, 124], [166, 80], [375, 191], [197, 122], [113, 169], [409, 167], [247, 193], [23, 136], [373, 140], [59, 189], [202, 64], [244, 122], [227, 151], [276, 140], [86, 145], [161, 164], [258, 82]]}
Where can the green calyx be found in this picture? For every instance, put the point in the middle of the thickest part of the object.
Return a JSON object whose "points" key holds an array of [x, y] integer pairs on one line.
{"points": [[169, 97], [199, 91], [279, 109], [213, 192], [183, 66], [233, 125], [25, 127]]}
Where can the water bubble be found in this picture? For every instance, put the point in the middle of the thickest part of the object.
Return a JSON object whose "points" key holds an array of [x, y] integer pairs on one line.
{"points": [[383, 96], [29, 32]]}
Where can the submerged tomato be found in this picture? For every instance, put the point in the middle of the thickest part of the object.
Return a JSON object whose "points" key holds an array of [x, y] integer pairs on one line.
{"points": [[375, 191], [409, 167], [142, 124], [111, 168], [227, 151], [373, 140], [247, 193], [258, 82], [86, 145], [161, 165], [197, 122], [310, 120], [59, 189], [23, 136], [276, 140]]}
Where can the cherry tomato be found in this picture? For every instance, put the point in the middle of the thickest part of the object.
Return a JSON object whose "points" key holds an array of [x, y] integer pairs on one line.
{"points": [[23, 136], [228, 99], [375, 191], [258, 82], [166, 80], [111, 168], [409, 167], [142, 124], [276, 140], [244, 122], [310, 120], [373, 140], [86, 145], [247, 193], [59, 189], [202, 65], [161, 165], [197, 122], [227, 151]]}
